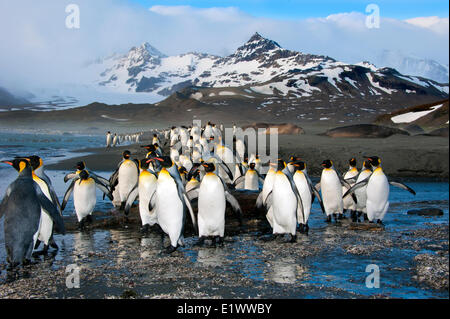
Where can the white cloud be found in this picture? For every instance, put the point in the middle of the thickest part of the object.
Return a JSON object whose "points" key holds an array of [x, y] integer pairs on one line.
{"points": [[38, 50], [436, 24]]}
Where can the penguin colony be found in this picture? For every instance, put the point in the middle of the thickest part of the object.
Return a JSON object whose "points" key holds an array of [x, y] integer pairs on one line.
{"points": [[198, 167]]}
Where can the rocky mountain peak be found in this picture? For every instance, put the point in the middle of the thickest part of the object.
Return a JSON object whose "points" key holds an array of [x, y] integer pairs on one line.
{"points": [[256, 46]]}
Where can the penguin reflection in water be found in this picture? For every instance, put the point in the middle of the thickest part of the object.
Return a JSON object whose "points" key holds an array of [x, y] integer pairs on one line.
{"points": [[377, 191], [213, 194], [22, 206], [84, 196]]}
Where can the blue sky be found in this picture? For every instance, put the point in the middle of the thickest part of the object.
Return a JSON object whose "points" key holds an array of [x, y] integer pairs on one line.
{"points": [[294, 9]]}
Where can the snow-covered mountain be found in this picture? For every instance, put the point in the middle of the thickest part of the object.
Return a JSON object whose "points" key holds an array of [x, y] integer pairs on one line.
{"points": [[412, 65], [260, 66]]}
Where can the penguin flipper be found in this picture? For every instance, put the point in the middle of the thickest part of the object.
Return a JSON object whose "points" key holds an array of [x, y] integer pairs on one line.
{"points": [[315, 193], [402, 186], [268, 200], [50, 209], [191, 211], [235, 205], [352, 189], [70, 176], [239, 180], [3, 202], [67, 195], [259, 201], [100, 179], [102, 187], [130, 199]]}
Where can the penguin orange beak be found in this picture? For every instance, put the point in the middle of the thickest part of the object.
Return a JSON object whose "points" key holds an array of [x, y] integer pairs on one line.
{"points": [[8, 162]]}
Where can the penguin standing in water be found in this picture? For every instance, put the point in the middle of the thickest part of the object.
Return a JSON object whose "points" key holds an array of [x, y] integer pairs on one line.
{"points": [[212, 196], [21, 207], [84, 196], [115, 140], [46, 222], [267, 188], [171, 203], [331, 188], [349, 203], [360, 193], [145, 189], [125, 178], [307, 193], [377, 191], [108, 139], [284, 201]]}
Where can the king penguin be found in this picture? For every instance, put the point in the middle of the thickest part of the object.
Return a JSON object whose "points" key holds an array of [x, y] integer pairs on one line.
{"points": [[349, 203], [46, 223], [84, 196], [145, 190], [171, 203], [283, 203], [212, 196], [360, 193], [331, 188], [125, 178], [307, 193], [21, 207]]}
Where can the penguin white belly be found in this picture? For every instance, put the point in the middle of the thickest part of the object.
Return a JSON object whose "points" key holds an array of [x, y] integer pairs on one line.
{"points": [[305, 194], [331, 192], [361, 193], [251, 181], [128, 177], [211, 207], [84, 198], [284, 206], [377, 196], [46, 223], [348, 201], [169, 210], [147, 185]]}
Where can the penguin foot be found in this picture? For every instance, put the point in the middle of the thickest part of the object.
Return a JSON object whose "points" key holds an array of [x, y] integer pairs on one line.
{"points": [[380, 222], [301, 228], [365, 217], [170, 249], [306, 229], [53, 244], [340, 216], [145, 229], [212, 239], [89, 219], [328, 220], [270, 237], [354, 216], [122, 205], [220, 241], [200, 241], [291, 238]]}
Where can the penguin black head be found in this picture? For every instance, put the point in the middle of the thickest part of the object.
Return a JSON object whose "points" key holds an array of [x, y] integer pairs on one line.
{"points": [[327, 163], [83, 175], [165, 161], [191, 137], [367, 165], [182, 170], [352, 162], [35, 162], [154, 135], [143, 164], [294, 159], [209, 167], [80, 166], [375, 161], [252, 165], [299, 165], [281, 164], [19, 163], [126, 154]]}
